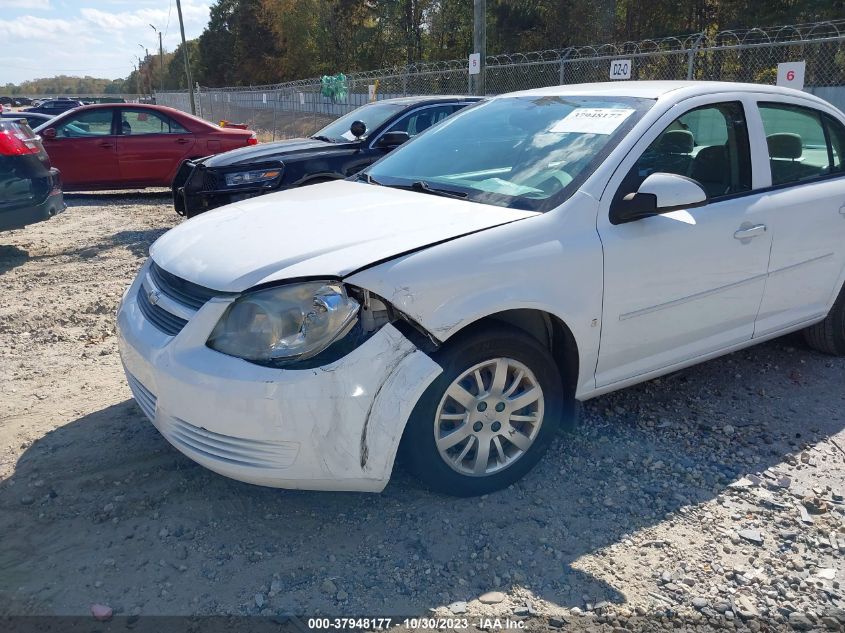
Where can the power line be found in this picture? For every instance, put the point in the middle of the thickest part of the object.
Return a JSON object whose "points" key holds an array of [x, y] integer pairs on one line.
{"points": [[166, 26]]}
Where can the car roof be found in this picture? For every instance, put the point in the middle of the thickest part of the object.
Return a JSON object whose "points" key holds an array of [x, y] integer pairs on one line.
{"points": [[659, 89], [25, 114], [415, 100], [142, 106]]}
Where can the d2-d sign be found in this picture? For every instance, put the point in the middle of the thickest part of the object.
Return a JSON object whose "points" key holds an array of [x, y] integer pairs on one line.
{"points": [[475, 64], [791, 74], [620, 68]]}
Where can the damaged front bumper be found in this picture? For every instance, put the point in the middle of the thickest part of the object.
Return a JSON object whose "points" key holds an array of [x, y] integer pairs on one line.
{"points": [[335, 427]]}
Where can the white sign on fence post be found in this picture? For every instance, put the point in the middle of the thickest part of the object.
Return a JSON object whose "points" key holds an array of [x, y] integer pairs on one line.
{"points": [[620, 68], [791, 74], [371, 92], [301, 98], [475, 64], [264, 97]]}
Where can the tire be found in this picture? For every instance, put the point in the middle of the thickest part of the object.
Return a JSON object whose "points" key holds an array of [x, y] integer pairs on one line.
{"points": [[828, 336], [485, 350]]}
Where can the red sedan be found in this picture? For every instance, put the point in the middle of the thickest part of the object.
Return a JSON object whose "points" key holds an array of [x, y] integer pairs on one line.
{"points": [[128, 145]]}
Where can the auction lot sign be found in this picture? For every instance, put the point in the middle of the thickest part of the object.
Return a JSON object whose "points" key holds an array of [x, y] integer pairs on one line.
{"points": [[620, 68], [791, 74]]}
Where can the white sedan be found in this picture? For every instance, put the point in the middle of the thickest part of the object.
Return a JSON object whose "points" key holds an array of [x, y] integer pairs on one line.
{"points": [[453, 302]]}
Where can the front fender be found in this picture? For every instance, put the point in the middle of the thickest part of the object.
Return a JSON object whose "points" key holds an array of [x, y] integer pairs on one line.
{"points": [[550, 263]]}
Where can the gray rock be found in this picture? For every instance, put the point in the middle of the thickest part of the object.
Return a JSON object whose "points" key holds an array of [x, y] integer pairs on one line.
{"points": [[745, 608], [259, 600], [799, 621], [838, 613], [458, 607], [491, 597], [328, 586], [752, 536], [699, 602]]}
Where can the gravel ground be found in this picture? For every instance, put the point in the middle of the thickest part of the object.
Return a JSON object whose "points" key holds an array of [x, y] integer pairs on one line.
{"points": [[706, 499]]}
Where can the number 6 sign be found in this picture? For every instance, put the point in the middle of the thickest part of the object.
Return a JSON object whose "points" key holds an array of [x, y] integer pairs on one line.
{"points": [[791, 74]]}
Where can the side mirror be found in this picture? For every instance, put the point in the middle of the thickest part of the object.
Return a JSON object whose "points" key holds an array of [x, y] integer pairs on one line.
{"points": [[659, 193], [49, 133], [391, 140], [358, 129]]}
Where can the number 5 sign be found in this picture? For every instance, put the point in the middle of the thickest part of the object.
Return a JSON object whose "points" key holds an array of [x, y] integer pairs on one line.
{"points": [[791, 74], [475, 64], [620, 68]]}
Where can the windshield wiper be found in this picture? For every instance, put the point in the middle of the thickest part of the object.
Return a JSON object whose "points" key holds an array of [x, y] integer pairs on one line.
{"points": [[424, 187], [367, 179], [320, 137]]}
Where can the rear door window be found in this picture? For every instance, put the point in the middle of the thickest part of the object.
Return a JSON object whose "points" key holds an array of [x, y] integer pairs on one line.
{"points": [[836, 136], [798, 146]]}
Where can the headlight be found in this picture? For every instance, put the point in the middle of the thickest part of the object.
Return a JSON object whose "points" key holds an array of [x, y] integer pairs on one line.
{"points": [[286, 322], [251, 177]]}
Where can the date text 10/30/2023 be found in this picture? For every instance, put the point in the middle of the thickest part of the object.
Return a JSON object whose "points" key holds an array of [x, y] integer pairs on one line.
{"points": [[382, 623]]}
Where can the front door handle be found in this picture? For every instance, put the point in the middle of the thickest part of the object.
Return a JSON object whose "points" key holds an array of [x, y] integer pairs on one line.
{"points": [[106, 145], [842, 210], [182, 141], [748, 231]]}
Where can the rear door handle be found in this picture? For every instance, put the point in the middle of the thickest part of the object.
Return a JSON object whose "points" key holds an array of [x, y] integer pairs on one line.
{"points": [[182, 141], [106, 145], [842, 210], [748, 231]]}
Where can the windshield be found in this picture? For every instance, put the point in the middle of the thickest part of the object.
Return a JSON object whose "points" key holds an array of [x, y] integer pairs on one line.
{"points": [[520, 152], [373, 115]]}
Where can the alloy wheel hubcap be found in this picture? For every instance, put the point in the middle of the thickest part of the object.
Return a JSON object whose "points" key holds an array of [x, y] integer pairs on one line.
{"points": [[489, 417]]}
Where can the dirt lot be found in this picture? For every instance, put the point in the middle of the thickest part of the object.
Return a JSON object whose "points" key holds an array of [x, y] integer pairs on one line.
{"points": [[711, 495]]}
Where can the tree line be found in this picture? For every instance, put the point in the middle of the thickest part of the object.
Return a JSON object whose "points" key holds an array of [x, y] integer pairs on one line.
{"points": [[253, 42]]}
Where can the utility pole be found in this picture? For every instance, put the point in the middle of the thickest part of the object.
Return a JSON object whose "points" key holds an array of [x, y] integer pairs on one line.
{"points": [[187, 62], [479, 42], [160, 58], [148, 79]]}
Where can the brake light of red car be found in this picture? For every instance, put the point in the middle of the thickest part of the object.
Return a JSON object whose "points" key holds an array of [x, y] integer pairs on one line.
{"points": [[252, 140], [15, 144]]}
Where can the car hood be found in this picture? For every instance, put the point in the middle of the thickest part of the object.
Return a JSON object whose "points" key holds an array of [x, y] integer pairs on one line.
{"points": [[269, 151], [330, 230]]}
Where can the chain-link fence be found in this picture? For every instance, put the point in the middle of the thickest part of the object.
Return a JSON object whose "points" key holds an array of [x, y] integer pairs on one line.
{"points": [[299, 108]]}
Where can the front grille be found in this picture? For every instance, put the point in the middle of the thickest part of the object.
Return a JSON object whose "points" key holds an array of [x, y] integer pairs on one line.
{"points": [[209, 180], [159, 317], [233, 450], [185, 292], [143, 396]]}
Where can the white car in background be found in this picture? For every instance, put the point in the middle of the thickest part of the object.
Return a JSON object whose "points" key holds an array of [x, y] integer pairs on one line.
{"points": [[460, 295]]}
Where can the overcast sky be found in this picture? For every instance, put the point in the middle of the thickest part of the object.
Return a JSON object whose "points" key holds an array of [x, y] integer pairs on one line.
{"points": [[43, 38]]}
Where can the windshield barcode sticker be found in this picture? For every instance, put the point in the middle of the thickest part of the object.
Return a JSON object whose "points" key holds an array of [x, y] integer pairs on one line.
{"points": [[592, 121]]}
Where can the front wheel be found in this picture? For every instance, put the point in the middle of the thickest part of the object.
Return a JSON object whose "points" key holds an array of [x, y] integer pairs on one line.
{"points": [[489, 417]]}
